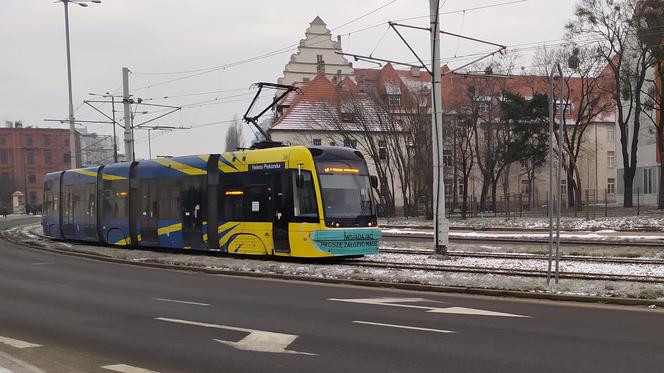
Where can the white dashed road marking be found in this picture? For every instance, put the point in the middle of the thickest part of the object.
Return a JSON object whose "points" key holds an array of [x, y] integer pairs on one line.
{"points": [[17, 343], [123, 368], [392, 302], [180, 301], [405, 327], [257, 340]]}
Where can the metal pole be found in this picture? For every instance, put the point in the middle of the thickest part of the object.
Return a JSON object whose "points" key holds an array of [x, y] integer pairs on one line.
{"points": [[550, 176], [560, 163], [115, 139], [149, 145], [72, 129], [128, 125], [440, 222]]}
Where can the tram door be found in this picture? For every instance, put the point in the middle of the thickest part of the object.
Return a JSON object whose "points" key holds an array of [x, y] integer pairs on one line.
{"points": [[149, 212], [282, 214], [193, 210]]}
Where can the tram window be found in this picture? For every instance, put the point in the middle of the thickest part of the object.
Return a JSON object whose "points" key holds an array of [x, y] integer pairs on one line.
{"points": [[304, 197], [233, 201], [258, 205], [116, 197]]}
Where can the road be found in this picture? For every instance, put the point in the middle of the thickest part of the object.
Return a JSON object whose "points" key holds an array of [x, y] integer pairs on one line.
{"points": [[67, 314]]}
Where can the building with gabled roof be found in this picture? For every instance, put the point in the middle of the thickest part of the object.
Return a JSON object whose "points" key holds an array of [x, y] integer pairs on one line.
{"points": [[317, 53]]}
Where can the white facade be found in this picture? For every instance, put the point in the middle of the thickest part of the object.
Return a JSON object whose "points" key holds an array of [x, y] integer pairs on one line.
{"points": [[646, 178], [316, 53], [96, 150]]}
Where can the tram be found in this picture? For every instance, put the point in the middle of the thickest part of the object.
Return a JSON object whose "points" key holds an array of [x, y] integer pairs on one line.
{"points": [[297, 201]]}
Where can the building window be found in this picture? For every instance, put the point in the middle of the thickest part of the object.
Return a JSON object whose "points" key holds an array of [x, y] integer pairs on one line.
{"points": [[611, 185], [460, 187], [563, 186], [66, 142], [33, 198], [448, 188], [447, 158], [30, 157], [525, 187], [316, 142], [48, 157], [524, 164], [319, 58], [349, 143], [4, 159], [305, 80], [567, 108], [394, 100], [611, 159], [29, 141], [3, 141], [483, 106], [32, 178], [66, 158], [47, 140], [347, 117], [611, 133], [647, 180], [382, 150]]}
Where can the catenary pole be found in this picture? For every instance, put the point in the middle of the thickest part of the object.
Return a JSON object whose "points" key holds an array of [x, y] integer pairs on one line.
{"points": [[440, 222], [72, 128], [126, 101], [115, 138], [550, 202]]}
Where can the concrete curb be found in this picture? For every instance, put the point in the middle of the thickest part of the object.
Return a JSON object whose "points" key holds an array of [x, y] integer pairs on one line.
{"points": [[367, 283]]}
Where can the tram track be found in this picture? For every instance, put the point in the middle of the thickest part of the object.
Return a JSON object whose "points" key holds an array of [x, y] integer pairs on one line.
{"points": [[525, 256], [508, 272], [488, 240]]}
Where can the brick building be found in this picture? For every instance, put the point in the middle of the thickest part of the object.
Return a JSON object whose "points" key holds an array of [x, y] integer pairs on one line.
{"points": [[26, 155]]}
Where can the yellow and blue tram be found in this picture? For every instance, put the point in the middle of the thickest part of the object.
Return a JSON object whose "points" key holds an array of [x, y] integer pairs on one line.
{"points": [[284, 201]]}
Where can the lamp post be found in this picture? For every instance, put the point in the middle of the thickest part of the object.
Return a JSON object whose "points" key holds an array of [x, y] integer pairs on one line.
{"points": [[72, 129]]}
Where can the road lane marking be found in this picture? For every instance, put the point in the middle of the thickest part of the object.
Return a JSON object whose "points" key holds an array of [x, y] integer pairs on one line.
{"points": [[41, 264], [180, 301], [392, 302], [123, 368], [257, 340], [405, 327], [17, 343]]}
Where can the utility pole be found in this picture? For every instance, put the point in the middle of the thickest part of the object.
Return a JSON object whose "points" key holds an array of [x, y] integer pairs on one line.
{"points": [[72, 127], [441, 227], [126, 101]]}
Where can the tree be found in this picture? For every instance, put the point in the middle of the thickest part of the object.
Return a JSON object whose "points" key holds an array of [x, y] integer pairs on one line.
{"points": [[651, 34], [614, 25], [234, 137], [7, 187], [528, 121], [586, 98]]}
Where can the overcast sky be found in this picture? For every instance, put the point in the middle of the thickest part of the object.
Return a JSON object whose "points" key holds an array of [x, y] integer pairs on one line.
{"points": [[152, 37]]}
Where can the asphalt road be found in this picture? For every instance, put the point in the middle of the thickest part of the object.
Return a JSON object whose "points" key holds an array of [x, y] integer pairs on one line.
{"points": [[66, 314]]}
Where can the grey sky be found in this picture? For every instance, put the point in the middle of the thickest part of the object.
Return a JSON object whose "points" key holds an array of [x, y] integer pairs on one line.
{"points": [[153, 36]]}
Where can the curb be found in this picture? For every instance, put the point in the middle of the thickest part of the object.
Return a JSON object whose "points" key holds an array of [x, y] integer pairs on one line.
{"points": [[366, 283]]}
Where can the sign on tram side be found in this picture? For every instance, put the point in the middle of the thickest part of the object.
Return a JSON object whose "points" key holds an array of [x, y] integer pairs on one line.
{"points": [[267, 166]]}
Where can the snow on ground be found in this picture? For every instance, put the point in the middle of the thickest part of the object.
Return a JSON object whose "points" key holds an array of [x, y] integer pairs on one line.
{"points": [[524, 264], [345, 269], [588, 236], [646, 222]]}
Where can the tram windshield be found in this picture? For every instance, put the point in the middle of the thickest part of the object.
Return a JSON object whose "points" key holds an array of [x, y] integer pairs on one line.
{"points": [[346, 193]]}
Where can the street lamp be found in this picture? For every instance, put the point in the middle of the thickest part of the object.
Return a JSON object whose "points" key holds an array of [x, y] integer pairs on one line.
{"points": [[72, 129]]}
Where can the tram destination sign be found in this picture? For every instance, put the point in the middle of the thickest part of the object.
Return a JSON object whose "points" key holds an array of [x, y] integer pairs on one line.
{"points": [[267, 166]]}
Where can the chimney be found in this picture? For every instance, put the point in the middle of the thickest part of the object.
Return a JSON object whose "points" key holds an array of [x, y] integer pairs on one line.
{"points": [[9, 124], [415, 71], [18, 124], [321, 67]]}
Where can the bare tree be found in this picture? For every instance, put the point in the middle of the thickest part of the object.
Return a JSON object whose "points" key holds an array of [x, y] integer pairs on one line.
{"points": [[234, 137], [651, 34], [614, 25], [586, 99]]}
